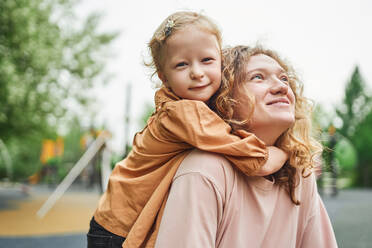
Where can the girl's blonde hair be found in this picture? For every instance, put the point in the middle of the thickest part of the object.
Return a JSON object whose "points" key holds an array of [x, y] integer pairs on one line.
{"points": [[169, 26], [297, 141]]}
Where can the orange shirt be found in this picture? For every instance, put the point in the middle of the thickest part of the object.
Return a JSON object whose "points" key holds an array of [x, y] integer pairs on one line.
{"points": [[138, 186]]}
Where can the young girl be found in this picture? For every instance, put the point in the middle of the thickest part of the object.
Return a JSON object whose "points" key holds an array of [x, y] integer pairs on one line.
{"points": [[186, 53]]}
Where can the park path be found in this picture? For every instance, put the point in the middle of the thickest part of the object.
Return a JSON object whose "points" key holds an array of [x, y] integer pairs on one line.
{"points": [[71, 214], [67, 222], [351, 216]]}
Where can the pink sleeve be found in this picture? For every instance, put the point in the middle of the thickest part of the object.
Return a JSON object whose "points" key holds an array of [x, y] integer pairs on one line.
{"points": [[318, 231], [192, 213]]}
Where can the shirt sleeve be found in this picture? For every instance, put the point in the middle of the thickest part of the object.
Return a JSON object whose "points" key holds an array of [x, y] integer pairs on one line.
{"points": [[192, 122], [318, 230], [191, 215]]}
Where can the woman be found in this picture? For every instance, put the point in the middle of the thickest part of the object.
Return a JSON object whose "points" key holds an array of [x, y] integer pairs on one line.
{"points": [[211, 204]]}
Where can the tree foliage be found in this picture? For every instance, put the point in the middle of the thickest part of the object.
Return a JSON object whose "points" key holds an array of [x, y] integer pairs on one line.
{"points": [[44, 62], [356, 115], [355, 105], [148, 110], [362, 140], [49, 60]]}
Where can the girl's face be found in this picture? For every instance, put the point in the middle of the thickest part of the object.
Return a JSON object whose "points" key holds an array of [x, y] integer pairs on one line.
{"points": [[274, 100], [192, 64]]}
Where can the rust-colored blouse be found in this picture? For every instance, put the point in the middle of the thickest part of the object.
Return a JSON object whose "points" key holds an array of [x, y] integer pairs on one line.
{"points": [[138, 186]]}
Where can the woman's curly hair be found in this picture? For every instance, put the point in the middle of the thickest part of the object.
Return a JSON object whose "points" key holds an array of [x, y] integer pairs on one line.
{"points": [[297, 141]]}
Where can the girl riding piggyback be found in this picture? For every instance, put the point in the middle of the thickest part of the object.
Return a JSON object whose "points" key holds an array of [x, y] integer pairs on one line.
{"points": [[186, 56]]}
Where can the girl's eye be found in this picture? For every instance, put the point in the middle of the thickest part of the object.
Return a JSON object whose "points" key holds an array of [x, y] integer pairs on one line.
{"points": [[181, 64], [257, 76], [207, 59]]}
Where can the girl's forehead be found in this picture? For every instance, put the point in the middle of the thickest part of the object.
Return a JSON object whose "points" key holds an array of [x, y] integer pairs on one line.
{"points": [[190, 39]]}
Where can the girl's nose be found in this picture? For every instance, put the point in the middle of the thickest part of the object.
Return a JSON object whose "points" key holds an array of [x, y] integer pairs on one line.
{"points": [[196, 72]]}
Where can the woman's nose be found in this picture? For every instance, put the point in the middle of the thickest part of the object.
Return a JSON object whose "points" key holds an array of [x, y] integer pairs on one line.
{"points": [[279, 87], [196, 72]]}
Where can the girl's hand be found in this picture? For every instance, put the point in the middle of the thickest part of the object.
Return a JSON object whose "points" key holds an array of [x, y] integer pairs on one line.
{"points": [[276, 159]]}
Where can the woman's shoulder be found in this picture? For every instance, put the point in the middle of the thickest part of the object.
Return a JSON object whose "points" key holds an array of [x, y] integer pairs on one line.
{"points": [[307, 179], [307, 187], [212, 166]]}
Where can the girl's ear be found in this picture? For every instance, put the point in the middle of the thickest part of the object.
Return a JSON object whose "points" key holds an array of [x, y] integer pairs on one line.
{"points": [[162, 78]]}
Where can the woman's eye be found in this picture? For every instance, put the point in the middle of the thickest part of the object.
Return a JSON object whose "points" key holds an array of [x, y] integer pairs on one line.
{"points": [[181, 64], [207, 59], [257, 76], [284, 78]]}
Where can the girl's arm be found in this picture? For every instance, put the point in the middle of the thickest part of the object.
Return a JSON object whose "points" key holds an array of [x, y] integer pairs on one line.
{"points": [[192, 122], [276, 159]]}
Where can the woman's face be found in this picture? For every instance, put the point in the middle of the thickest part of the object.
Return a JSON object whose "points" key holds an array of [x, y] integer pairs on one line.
{"points": [[273, 98]]}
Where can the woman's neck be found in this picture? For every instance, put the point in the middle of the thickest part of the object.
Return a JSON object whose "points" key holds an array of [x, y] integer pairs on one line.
{"points": [[267, 135]]}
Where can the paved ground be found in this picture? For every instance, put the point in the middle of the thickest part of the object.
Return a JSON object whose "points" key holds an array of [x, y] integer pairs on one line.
{"points": [[66, 224], [55, 241], [70, 214], [350, 213]]}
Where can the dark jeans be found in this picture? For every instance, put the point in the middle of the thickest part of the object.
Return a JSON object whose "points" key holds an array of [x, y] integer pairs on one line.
{"points": [[99, 237]]}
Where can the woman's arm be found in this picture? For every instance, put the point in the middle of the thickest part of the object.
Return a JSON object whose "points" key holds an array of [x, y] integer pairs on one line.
{"points": [[318, 231]]}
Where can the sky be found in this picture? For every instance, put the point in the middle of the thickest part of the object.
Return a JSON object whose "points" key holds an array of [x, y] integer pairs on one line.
{"points": [[323, 41]]}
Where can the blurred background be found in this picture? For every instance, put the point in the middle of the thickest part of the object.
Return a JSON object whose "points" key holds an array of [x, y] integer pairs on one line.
{"points": [[74, 90]]}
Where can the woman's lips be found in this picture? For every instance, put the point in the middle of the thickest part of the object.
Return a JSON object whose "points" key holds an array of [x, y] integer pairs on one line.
{"points": [[279, 101]]}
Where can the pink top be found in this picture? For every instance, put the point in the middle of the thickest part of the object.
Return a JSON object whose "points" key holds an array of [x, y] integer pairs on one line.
{"points": [[211, 204]]}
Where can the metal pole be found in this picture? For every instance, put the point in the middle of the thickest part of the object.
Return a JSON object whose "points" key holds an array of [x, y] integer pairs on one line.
{"points": [[105, 167], [71, 176], [128, 98]]}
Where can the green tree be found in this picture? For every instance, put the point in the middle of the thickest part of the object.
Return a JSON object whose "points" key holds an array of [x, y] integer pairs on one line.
{"points": [[355, 105], [362, 140], [49, 59], [148, 110], [356, 115], [45, 64]]}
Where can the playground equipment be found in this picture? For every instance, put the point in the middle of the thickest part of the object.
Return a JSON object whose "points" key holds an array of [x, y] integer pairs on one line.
{"points": [[93, 149]]}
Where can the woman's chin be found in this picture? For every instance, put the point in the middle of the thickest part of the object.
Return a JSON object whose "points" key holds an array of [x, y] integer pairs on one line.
{"points": [[288, 122], [283, 121]]}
